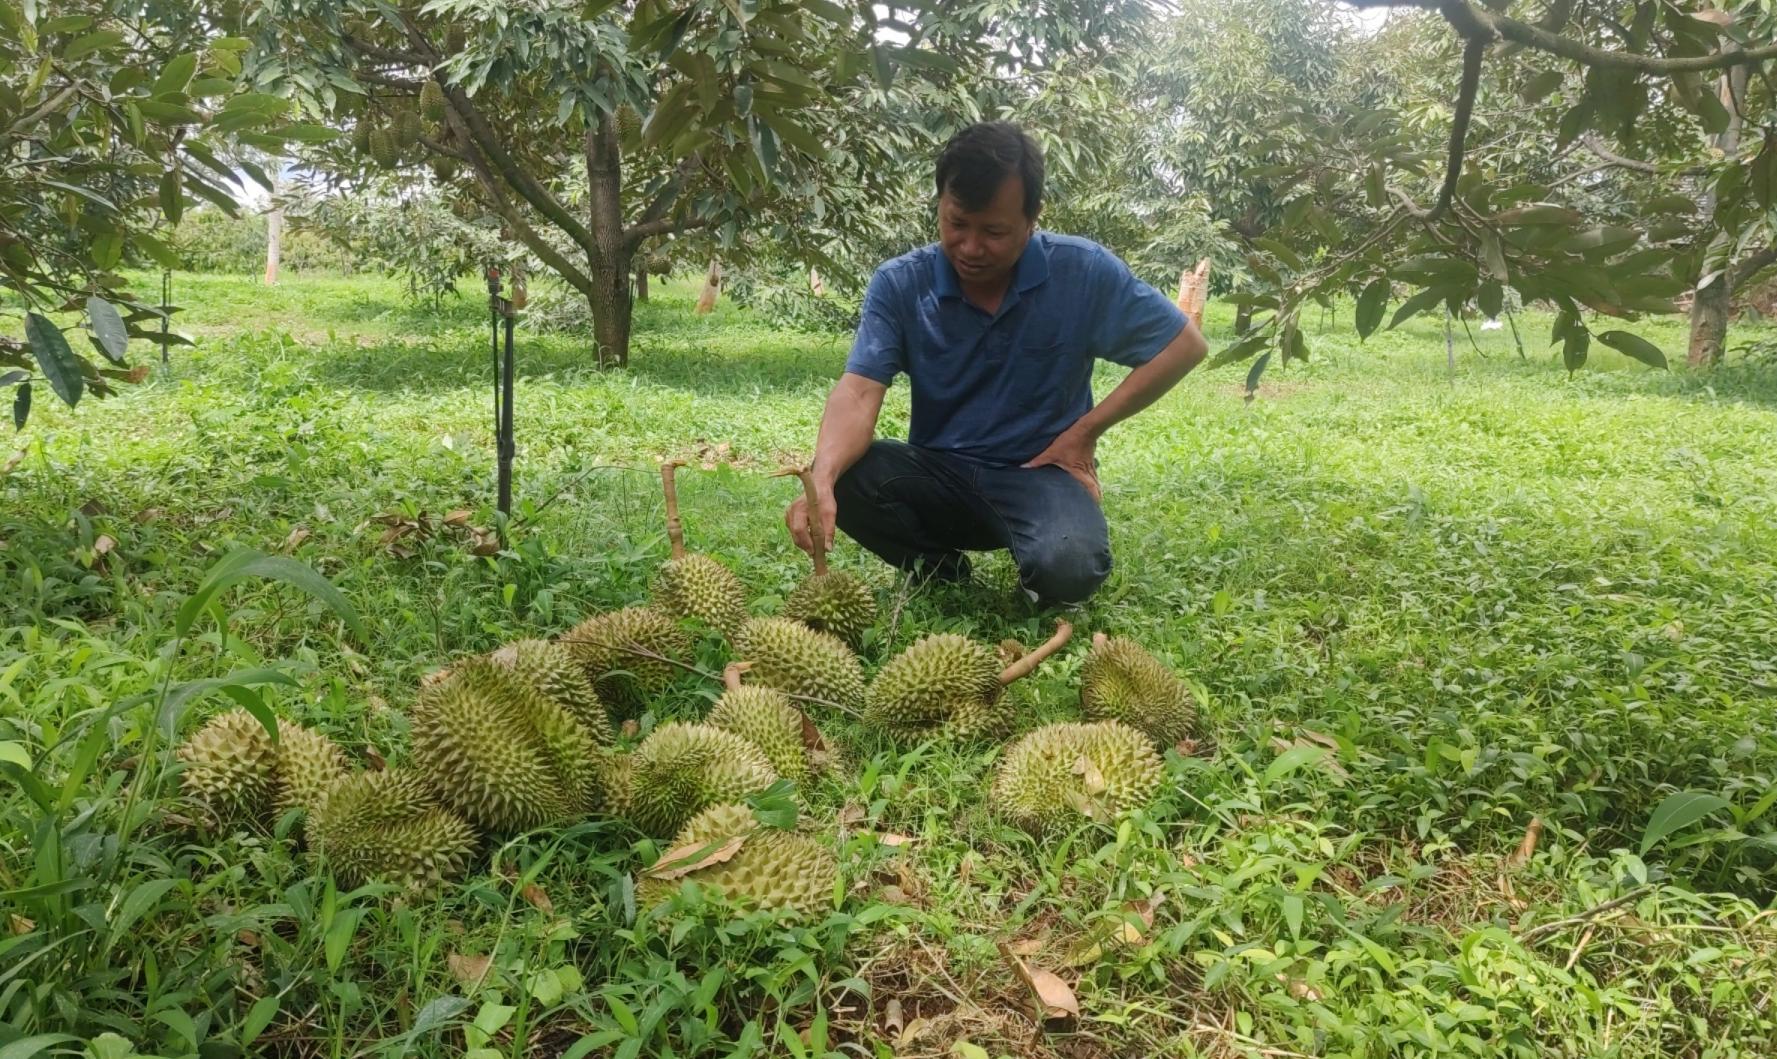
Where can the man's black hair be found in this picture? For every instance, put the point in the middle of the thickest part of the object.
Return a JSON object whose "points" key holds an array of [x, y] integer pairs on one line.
{"points": [[978, 159]]}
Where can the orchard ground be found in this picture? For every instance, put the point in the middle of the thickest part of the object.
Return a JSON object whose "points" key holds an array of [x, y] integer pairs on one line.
{"points": [[1424, 611]]}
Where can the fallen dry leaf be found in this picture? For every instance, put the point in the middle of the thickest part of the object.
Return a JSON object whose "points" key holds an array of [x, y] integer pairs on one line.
{"points": [[1090, 776], [104, 545], [1054, 996], [892, 1021], [852, 814], [248, 938], [12, 462], [538, 899], [894, 895], [92, 509], [483, 542], [137, 373], [683, 860], [811, 736], [374, 758], [1299, 989], [965, 870], [297, 536], [890, 838], [459, 517], [631, 728], [469, 971], [1025, 946], [19, 924]]}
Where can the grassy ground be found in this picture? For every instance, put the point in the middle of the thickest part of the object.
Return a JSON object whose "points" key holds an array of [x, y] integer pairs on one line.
{"points": [[1482, 601]]}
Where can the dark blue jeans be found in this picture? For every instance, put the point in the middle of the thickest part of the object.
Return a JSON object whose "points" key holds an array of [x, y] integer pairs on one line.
{"points": [[920, 509]]}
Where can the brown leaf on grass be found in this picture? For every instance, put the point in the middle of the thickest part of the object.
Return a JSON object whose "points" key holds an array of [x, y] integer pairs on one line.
{"points": [[137, 374], [19, 924], [395, 533], [890, 838], [1298, 988], [12, 462], [1128, 933], [483, 542], [1055, 998], [104, 545], [631, 728], [374, 758], [459, 517], [811, 736], [1025, 946], [965, 869], [683, 860], [469, 971], [248, 938], [296, 537], [852, 814], [538, 899]]}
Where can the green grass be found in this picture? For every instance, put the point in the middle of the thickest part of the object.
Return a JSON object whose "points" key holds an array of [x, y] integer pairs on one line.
{"points": [[1504, 595]]}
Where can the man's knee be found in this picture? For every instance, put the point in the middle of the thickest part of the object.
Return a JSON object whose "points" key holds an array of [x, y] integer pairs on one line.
{"points": [[1065, 568]]}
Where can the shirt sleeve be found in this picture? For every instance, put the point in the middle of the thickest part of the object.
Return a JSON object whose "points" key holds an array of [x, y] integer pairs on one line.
{"points": [[1134, 321], [880, 350]]}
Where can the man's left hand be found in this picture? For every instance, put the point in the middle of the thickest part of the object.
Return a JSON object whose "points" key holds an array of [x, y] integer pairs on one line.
{"points": [[1073, 450]]}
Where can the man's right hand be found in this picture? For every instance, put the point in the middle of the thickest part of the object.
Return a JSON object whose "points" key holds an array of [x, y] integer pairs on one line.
{"points": [[797, 519]]}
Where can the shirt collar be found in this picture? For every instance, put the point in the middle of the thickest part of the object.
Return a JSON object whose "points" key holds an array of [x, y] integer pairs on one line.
{"points": [[1031, 271]]}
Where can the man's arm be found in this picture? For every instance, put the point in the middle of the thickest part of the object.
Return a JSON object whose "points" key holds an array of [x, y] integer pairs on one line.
{"points": [[848, 425], [1073, 449]]}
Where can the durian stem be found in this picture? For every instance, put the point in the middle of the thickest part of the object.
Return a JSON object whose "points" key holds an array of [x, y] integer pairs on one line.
{"points": [[1024, 666], [675, 532], [811, 515], [731, 675]]}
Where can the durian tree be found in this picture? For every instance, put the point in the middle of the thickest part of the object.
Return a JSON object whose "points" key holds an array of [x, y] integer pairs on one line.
{"points": [[591, 129]]}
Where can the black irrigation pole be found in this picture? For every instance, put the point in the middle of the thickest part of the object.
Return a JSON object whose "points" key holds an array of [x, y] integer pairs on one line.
{"points": [[501, 310]]}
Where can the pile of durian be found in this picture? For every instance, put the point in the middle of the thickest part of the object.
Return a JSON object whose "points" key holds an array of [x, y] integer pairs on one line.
{"points": [[526, 737]]}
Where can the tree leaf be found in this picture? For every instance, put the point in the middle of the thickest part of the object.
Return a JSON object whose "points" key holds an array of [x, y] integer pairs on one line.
{"points": [[114, 338], [21, 406], [1293, 759], [1418, 303], [1635, 346], [244, 563], [58, 362], [1678, 811], [1252, 376], [1492, 255], [176, 74], [27, 1047], [790, 132], [1539, 213], [1764, 174], [1541, 85], [1371, 304], [683, 860], [172, 199], [1574, 346]]}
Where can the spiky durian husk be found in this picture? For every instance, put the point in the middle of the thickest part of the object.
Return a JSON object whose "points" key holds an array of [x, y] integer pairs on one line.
{"points": [[837, 601], [793, 658], [771, 869], [697, 586], [1061, 773], [361, 135], [231, 765], [765, 718], [382, 148], [623, 679], [1121, 681], [389, 826], [943, 680], [444, 167], [682, 768], [501, 753], [406, 127], [308, 763], [551, 669], [432, 101], [616, 781]]}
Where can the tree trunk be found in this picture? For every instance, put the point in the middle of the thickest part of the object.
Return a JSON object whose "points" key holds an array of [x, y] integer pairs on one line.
{"points": [[1711, 305], [610, 267], [1243, 319], [274, 245], [642, 281]]}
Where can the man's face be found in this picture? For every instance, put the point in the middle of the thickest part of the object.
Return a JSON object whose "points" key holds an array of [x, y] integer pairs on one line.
{"points": [[984, 245]]}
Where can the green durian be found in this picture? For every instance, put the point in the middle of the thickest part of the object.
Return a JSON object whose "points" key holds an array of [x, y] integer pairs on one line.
{"points": [[444, 167], [551, 669], [501, 753], [766, 718], [406, 127], [231, 766], [361, 135], [1120, 681], [770, 868], [696, 586], [308, 764], [832, 601], [616, 782], [432, 101], [793, 658], [629, 122], [623, 678], [1061, 773], [389, 826], [382, 148], [682, 768], [949, 683]]}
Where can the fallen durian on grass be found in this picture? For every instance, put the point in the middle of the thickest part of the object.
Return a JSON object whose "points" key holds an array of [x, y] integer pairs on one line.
{"points": [[766, 718], [832, 601], [616, 781], [797, 660], [231, 765], [726, 850], [551, 669], [692, 585], [389, 827], [1061, 773], [500, 752], [308, 763], [949, 683], [1121, 681], [622, 654], [682, 769]]}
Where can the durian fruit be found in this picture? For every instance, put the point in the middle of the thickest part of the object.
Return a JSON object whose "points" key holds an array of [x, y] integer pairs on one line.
{"points": [[1120, 681], [835, 601], [629, 122], [382, 148], [766, 718], [616, 781], [455, 40], [501, 753], [610, 647], [361, 135], [406, 126], [766, 868], [696, 586], [432, 101], [231, 765], [794, 659], [551, 669], [308, 763], [682, 768], [1062, 772], [444, 167], [389, 826], [949, 683]]}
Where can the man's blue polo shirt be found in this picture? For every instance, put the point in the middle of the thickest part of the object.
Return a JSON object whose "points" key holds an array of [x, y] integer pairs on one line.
{"points": [[998, 388]]}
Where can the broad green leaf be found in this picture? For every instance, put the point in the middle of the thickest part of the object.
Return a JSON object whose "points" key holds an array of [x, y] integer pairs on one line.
{"points": [[1252, 375], [1492, 256], [790, 132], [1418, 303], [139, 903], [1573, 348], [1292, 914], [163, 113], [265, 1009], [107, 250], [1764, 174], [245, 563], [27, 1047], [107, 323], [1292, 759], [339, 936], [182, 695], [21, 406], [1540, 213], [1490, 297], [1371, 304], [56, 360], [1678, 811], [1245, 346], [1635, 346], [13, 752], [1541, 85], [176, 74], [92, 42]]}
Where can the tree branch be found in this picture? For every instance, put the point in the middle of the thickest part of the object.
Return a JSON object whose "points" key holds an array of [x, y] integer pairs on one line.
{"points": [[1472, 55], [1596, 146], [1749, 268], [638, 232], [50, 106]]}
